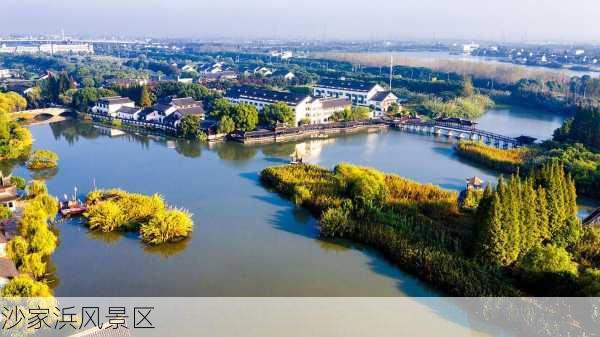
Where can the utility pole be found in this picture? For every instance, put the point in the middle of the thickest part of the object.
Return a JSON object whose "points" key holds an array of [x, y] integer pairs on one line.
{"points": [[391, 70]]}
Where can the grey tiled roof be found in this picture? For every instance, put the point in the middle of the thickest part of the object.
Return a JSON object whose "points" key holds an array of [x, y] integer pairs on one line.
{"points": [[115, 100], [268, 96], [345, 85]]}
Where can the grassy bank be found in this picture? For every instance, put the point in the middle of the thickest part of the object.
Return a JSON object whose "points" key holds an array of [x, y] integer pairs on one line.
{"points": [[507, 161], [417, 226], [470, 107]]}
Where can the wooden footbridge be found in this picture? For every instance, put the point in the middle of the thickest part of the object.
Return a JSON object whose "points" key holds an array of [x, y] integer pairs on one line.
{"points": [[459, 129]]}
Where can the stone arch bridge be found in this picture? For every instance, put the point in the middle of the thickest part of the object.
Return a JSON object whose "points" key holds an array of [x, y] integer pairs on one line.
{"points": [[43, 116]]}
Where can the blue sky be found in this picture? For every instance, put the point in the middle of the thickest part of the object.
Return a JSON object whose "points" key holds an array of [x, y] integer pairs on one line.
{"points": [[516, 20]]}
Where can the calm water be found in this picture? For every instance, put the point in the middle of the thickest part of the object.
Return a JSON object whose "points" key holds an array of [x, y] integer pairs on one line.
{"points": [[445, 56], [247, 240]]}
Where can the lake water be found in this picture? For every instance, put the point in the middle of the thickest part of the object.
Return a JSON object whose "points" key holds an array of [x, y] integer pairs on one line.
{"points": [[446, 56], [247, 241]]}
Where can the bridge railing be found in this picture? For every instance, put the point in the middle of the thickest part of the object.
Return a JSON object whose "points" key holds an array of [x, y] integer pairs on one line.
{"points": [[462, 128]]}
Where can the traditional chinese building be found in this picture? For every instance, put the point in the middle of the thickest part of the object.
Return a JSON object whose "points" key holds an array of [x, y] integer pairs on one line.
{"points": [[8, 193], [474, 184], [8, 270]]}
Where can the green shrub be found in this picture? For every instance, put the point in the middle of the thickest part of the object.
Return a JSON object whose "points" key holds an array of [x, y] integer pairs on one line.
{"points": [[33, 265], [42, 159], [167, 226], [105, 216], [43, 241], [36, 188], [548, 259], [47, 203], [25, 286], [301, 194], [19, 182], [17, 248], [5, 212], [588, 248]]}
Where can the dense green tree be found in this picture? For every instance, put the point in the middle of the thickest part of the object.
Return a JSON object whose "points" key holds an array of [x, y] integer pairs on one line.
{"points": [[33, 265], [226, 125], [11, 102], [468, 89], [278, 113], [17, 248], [527, 212], [145, 99], [221, 107], [190, 127], [245, 117], [86, 97], [25, 286], [550, 258]]}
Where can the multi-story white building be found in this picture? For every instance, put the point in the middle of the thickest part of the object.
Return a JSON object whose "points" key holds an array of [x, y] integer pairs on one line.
{"points": [[359, 93], [306, 108], [110, 105]]}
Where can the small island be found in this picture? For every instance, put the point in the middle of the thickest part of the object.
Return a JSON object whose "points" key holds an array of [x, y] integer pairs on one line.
{"points": [[117, 210], [42, 159]]}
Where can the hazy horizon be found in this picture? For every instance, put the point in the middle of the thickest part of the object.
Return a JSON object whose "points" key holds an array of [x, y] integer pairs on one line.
{"points": [[511, 20]]}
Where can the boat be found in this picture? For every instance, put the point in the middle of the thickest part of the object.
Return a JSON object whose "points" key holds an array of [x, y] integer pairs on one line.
{"points": [[71, 208]]}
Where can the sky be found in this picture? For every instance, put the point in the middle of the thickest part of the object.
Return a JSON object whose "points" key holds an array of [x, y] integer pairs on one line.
{"points": [[500, 20]]}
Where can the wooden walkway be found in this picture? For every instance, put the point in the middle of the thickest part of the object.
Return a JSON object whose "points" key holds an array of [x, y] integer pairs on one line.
{"points": [[457, 131]]}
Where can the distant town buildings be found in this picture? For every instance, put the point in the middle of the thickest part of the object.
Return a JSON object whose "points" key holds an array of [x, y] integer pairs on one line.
{"points": [[284, 55], [49, 48], [463, 48]]}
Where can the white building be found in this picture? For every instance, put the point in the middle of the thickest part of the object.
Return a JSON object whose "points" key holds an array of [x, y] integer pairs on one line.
{"points": [[305, 107], [359, 93], [263, 71], [129, 113], [284, 55], [110, 105], [381, 102], [322, 108], [284, 74], [466, 48], [211, 68], [171, 112]]}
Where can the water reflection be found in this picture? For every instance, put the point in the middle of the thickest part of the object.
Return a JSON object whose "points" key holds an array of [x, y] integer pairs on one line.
{"points": [[189, 148], [235, 152], [168, 250], [44, 174]]}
